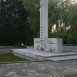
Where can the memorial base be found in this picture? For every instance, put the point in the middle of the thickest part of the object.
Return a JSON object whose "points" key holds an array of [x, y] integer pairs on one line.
{"points": [[52, 44]]}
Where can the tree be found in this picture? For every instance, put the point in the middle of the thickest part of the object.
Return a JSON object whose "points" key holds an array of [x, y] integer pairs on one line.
{"points": [[20, 21], [13, 26], [72, 38], [33, 19], [62, 14]]}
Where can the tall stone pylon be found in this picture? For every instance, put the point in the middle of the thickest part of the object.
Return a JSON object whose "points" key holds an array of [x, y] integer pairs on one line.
{"points": [[48, 44], [43, 23]]}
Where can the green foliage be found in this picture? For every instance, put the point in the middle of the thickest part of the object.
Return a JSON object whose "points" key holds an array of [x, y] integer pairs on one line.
{"points": [[8, 57], [71, 75], [20, 21], [33, 19], [13, 27], [63, 13], [74, 75], [20, 45]]}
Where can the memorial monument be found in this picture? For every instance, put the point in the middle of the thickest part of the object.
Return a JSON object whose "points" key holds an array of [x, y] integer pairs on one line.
{"points": [[48, 44]]}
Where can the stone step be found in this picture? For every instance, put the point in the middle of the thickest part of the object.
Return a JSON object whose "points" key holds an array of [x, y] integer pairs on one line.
{"points": [[43, 55], [61, 58], [59, 54]]}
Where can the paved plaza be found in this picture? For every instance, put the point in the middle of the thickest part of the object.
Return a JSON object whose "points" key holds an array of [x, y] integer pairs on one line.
{"points": [[43, 55], [38, 68]]}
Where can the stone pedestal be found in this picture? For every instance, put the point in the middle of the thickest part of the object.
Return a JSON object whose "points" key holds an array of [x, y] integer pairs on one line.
{"points": [[52, 44], [36, 42]]}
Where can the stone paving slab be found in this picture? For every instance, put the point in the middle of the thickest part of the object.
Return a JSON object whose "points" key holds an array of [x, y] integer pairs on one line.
{"points": [[63, 58], [43, 55], [38, 68]]}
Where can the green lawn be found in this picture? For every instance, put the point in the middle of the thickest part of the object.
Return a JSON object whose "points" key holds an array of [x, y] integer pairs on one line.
{"points": [[70, 75], [75, 75], [9, 57]]}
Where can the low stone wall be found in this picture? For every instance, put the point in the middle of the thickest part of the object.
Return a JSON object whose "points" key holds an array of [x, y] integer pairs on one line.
{"points": [[6, 46], [69, 48], [10, 47], [30, 47], [6, 51]]}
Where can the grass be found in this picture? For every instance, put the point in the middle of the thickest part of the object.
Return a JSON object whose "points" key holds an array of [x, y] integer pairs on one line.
{"points": [[71, 75], [75, 75], [9, 57]]}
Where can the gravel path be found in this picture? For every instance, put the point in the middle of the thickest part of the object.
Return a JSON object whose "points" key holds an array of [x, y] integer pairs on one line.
{"points": [[38, 68]]}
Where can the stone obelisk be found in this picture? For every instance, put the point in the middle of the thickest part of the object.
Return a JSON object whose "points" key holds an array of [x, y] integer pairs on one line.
{"points": [[48, 44], [43, 23]]}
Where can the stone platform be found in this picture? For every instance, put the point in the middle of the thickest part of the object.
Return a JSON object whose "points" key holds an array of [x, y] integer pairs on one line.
{"points": [[43, 55]]}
